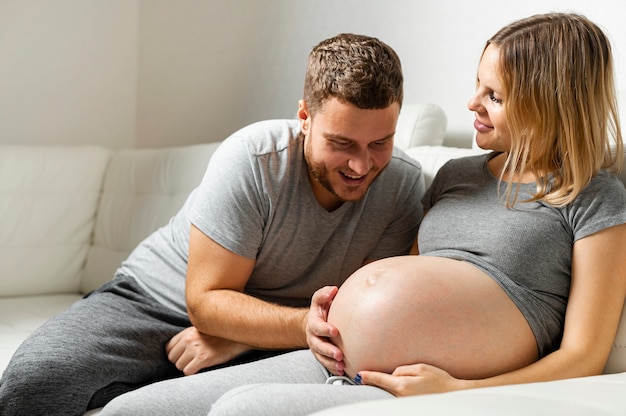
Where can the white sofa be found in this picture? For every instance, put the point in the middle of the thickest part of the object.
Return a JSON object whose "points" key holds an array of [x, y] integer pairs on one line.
{"points": [[70, 215]]}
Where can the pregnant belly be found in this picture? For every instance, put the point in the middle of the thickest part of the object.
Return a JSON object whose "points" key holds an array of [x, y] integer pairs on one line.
{"points": [[432, 310]]}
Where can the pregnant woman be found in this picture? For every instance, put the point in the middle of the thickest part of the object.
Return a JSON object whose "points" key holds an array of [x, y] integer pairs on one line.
{"points": [[519, 277], [518, 273]]}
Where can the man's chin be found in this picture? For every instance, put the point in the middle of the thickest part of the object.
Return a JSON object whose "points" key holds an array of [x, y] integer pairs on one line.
{"points": [[352, 195]]}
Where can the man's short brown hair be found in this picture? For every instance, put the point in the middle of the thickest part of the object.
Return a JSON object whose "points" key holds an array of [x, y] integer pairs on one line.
{"points": [[357, 69]]}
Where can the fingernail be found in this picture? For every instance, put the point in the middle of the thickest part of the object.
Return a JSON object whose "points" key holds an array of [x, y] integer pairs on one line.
{"points": [[358, 379]]}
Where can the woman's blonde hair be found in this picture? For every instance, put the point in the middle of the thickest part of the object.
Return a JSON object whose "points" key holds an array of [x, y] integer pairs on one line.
{"points": [[561, 109]]}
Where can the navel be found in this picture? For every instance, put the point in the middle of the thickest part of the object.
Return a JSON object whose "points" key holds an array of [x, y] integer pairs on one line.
{"points": [[372, 278]]}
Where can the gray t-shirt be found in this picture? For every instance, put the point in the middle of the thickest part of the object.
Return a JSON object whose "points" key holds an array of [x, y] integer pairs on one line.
{"points": [[256, 200], [527, 249]]}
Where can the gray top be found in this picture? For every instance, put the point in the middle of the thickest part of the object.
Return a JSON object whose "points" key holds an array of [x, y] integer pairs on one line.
{"points": [[528, 249], [256, 200]]}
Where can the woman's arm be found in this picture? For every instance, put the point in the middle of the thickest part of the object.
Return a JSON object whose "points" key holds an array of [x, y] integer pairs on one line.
{"points": [[597, 293]]}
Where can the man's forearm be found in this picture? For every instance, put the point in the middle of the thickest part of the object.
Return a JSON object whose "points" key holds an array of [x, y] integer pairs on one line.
{"points": [[242, 318]]}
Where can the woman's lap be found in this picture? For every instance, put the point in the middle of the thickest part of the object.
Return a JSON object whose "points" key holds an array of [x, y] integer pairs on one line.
{"points": [[291, 399], [194, 395]]}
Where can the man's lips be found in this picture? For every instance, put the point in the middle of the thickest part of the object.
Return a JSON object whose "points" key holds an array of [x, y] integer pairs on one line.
{"points": [[481, 127], [352, 179]]}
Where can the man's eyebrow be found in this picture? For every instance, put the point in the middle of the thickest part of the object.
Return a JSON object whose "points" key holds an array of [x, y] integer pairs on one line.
{"points": [[332, 136]]}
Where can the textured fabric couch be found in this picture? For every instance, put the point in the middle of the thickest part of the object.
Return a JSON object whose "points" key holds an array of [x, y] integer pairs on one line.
{"points": [[69, 215]]}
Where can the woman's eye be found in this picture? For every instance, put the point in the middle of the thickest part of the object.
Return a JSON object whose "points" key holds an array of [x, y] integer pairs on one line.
{"points": [[493, 98]]}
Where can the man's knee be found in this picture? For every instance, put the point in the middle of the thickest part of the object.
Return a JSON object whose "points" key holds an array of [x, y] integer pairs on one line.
{"points": [[35, 370], [29, 383]]}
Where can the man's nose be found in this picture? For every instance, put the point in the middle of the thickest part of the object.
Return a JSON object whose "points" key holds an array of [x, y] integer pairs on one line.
{"points": [[361, 162]]}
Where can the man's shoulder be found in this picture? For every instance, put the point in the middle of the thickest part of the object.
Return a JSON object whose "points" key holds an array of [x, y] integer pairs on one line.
{"points": [[268, 136], [402, 175], [403, 163]]}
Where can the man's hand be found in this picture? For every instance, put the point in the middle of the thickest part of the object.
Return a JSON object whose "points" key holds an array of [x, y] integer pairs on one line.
{"points": [[191, 350], [318, 330]]}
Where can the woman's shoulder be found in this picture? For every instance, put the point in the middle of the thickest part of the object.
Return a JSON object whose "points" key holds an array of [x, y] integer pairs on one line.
{"points": [[466, 165], [600, 205], [605, 183]]}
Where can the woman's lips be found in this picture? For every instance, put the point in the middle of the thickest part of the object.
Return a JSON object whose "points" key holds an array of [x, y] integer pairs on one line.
{"points": [[481, 127]]}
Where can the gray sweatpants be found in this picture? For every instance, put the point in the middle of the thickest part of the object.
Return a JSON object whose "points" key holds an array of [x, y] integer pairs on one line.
{"points": [[109, 343], [291, 384]]}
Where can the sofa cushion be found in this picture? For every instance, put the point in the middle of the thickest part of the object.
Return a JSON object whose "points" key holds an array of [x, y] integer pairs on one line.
{"points": [[421, 124], [434, 157], [48, 200], [142, 190], [617, 358], [598, 395]]}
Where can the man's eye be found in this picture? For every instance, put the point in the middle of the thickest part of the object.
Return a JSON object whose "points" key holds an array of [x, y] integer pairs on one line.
{"points": [[381, 143], [341, 145]]}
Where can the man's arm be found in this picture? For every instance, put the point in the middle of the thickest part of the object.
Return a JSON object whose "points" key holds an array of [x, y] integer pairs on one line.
{"points": [[217, 306]]}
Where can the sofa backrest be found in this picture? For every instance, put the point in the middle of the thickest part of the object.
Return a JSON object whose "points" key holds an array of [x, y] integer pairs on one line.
{"points": [[48, 201], [421, 124], [70, 214], [142, 190]]}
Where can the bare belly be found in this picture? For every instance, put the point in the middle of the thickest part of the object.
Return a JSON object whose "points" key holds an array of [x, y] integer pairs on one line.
{"points": [[420, 309]]}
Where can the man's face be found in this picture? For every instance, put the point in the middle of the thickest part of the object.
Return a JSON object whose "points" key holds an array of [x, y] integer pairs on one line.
{"points": [[346, 148]]}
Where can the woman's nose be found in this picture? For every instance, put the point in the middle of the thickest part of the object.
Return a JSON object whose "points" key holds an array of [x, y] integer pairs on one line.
{"points": [[474, 103]]}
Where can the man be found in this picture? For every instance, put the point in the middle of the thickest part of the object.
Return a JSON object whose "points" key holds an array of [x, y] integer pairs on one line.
{"points": [[285, 207]]}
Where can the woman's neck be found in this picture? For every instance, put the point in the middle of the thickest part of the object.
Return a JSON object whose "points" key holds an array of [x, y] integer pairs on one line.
{"points": [[497, 164]]}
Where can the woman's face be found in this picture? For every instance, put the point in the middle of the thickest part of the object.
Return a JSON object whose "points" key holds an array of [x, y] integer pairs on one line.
{"points": [[488, 104]]}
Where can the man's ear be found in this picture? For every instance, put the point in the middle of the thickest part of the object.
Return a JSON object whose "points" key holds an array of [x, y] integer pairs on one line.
{"points": [[304, 117]]}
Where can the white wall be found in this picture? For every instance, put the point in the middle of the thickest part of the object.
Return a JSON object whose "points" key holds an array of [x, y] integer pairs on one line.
{"points": [[68, 71], [439, 41], [207, 68], [161, 72]]}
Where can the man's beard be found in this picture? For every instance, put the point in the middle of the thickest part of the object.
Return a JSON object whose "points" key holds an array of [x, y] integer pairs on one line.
{"points": [[320, 173]]}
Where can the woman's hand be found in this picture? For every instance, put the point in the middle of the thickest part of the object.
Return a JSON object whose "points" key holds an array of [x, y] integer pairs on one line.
{"points": [[318, 331], [191, 350], [410, 380]]}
